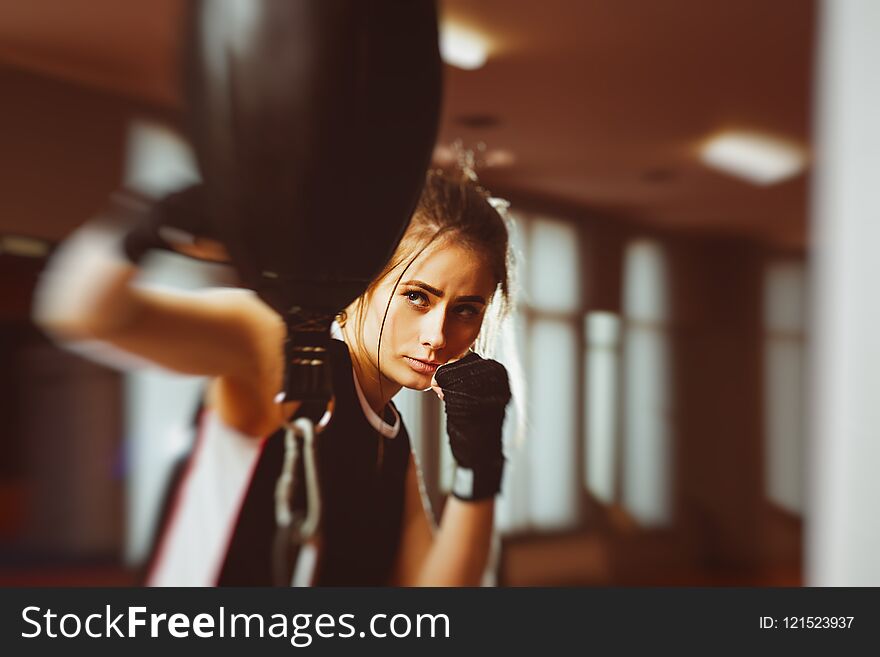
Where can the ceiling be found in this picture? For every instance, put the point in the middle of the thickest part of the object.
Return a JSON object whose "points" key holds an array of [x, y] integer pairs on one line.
{"points": [[600, 102]]}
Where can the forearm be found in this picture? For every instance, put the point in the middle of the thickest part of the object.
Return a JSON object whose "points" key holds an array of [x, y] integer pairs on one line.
{"points": [[460, 550]]}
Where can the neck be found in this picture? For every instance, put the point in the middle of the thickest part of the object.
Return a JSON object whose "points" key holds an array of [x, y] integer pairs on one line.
{"points": [[368, 377]]}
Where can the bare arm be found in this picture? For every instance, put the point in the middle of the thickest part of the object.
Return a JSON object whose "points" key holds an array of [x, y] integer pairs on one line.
{"points": [[88, 292]]}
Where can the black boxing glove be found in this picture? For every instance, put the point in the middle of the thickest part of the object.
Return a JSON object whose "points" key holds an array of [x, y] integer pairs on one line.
{"points": [[476, 392], [174, 220]]}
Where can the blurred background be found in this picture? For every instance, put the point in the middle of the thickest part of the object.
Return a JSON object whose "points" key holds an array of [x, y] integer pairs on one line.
{"points": [[691, 186]]}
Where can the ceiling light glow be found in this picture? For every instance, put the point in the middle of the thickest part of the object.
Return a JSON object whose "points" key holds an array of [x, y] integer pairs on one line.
{"points": [[28, 247], [462, 47], [758, 158]]}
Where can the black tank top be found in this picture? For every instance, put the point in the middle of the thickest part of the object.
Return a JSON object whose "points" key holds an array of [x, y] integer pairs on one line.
{"points": [[362, 503]]}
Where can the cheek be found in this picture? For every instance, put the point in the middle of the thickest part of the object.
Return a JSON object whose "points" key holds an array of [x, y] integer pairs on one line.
{"points": [[375, 315], [461, 336], [401, 331], [398, 330]]}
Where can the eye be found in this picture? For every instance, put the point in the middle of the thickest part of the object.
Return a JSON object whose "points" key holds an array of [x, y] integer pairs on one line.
{"points": [[467, 312], [415, 298]]}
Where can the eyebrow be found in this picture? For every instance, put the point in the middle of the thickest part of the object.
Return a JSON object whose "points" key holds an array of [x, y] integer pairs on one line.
{"points": [[439, 293]]}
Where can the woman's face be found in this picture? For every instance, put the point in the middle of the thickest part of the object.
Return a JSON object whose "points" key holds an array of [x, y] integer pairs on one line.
{"points": [[435, 314]]}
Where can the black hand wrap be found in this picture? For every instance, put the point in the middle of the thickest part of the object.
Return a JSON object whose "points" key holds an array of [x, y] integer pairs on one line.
{"points": [[476, 392], [174, 219]]}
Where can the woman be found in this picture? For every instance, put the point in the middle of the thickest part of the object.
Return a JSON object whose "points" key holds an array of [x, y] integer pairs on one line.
{"points": [[444, 290]]}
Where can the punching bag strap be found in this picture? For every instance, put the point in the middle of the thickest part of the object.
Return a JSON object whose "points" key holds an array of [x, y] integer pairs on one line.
{"points": [[293, 527], [307, 375]]}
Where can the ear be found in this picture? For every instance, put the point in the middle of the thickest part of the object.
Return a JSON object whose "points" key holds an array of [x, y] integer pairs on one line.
{"points": [[354, 308]]}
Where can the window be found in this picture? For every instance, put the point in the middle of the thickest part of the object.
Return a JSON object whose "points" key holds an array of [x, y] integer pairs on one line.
{"points": [[647, 431], [784, 355], [602, 335]]}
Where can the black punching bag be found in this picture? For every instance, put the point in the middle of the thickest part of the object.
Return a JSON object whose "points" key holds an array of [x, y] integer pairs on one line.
{"points": [[313, 123]]}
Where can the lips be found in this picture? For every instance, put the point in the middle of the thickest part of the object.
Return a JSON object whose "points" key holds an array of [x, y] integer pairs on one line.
{"points": [[421, 366]]}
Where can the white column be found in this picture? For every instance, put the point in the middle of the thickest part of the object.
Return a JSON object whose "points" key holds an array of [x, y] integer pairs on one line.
{"points": [[843, 524]]}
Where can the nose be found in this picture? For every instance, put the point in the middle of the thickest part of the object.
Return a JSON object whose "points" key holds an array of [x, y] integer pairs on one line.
{"points": [[433, 329]]}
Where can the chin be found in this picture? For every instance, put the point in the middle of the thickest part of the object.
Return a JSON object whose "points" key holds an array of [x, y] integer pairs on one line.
{"points": [[416, 382], [412, 380]]}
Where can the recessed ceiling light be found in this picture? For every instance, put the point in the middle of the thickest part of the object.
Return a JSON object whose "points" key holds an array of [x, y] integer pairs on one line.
{"points": [[478, 120], [28, 247], [444, 155], [499, 157], [759, 158], [447, 155], [462, 47]]}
